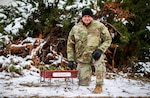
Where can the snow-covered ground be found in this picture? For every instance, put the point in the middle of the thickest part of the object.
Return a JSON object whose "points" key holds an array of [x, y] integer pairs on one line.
{"points": [[27, 82], [29, 85]]}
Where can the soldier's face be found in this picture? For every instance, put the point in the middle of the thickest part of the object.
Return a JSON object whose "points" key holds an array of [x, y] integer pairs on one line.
{"points": [[87, 19]]}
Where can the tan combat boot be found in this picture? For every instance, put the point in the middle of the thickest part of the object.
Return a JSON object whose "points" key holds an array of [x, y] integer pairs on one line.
{"points": [[98, 88]]}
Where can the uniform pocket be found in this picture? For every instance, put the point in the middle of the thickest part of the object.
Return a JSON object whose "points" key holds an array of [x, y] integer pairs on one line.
{"points": [[86, 57]]}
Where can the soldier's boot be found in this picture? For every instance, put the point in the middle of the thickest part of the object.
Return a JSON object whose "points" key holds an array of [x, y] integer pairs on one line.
{"points": [[97, 89]]}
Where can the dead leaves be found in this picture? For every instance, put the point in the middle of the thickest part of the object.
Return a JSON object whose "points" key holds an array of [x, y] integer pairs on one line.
{"points": [[117, 11], [30, 84]]}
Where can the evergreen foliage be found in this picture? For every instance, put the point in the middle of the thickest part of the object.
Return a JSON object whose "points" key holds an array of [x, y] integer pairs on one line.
{"points": [[49, 16], [134, 36], [14, 16], [137, 26]]}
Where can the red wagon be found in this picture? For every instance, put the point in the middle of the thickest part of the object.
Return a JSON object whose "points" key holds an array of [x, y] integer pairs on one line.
{"points": [[58, 74]]}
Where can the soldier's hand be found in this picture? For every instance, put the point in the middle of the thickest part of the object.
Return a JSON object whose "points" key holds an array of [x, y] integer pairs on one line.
{"points": [[70, 64], [97, 54]]}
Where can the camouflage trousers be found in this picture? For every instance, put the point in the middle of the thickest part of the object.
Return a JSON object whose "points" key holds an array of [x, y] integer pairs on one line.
{"points": [[85, 71]]}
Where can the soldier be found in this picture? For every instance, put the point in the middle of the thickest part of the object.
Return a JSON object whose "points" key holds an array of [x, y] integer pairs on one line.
{"points": [[87, 42]]}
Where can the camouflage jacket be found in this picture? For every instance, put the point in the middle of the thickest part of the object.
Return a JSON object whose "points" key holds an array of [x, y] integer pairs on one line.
{"points": [[82, 41]]}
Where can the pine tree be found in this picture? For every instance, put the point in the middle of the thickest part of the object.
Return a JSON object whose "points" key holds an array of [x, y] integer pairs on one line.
{"points": [[129, 18], [137, 26], [50, 15]]}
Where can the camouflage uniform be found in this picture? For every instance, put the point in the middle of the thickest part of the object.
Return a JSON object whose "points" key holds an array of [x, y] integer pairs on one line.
{"points": [[82, 41]]}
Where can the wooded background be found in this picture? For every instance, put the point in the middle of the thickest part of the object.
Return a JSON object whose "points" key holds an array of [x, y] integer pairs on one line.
{"points": [[127, 21]]}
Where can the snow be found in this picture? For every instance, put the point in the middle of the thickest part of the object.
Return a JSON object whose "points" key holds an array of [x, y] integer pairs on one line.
{"points": [[148, 27], [31, 84], [146, 66], [15, 87], [25, 9], [13, 27], [28, 84], [5, 2]]}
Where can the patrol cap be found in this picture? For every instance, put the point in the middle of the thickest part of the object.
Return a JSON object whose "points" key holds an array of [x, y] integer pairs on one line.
{"points": [[87, 11]]}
